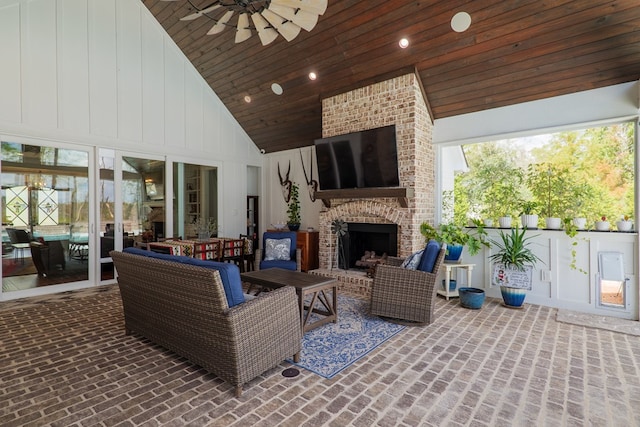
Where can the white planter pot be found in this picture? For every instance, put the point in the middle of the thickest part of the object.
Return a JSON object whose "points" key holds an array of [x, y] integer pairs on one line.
{"points": [[488, 223], [504, 221], [580, 223], [624, 225], [553, 223], [602, 225], [529, 221]]}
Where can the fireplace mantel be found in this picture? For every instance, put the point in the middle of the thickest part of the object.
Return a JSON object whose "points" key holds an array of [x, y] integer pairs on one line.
{"points": [[400, 193]]}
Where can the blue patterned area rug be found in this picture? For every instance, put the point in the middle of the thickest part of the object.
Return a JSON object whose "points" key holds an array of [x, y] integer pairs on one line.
{"points": [[333, 347]]}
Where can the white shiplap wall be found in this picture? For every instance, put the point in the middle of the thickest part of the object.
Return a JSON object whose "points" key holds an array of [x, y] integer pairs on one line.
{"points": [[104, 73]]}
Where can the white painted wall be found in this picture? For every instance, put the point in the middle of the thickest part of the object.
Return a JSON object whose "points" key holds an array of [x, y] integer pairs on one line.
{"points": [[276, 208], [104, 73]]}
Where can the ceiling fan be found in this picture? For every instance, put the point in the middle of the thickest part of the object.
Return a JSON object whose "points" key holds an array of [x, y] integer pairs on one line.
{"points": [[269, 17]]}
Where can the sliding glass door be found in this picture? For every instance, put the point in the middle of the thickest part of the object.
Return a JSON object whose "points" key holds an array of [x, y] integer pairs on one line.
{"points": [[45, 216], [131, 207]]}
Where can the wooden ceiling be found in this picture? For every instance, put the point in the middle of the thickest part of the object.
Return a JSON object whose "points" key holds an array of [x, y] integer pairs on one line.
{"points": [[514, 51]]}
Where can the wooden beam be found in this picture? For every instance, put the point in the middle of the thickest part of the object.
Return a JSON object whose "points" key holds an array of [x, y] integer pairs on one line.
{"points": [[364, 193]]}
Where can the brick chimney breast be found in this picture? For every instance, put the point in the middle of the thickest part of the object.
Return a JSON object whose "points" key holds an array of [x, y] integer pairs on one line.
{"points": [[397, 101]]}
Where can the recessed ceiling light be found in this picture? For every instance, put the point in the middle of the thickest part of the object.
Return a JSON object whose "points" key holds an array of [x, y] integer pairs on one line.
{"points": [[312, 76], [247, 99], [276, 88], [460, 22], [403, 43]]}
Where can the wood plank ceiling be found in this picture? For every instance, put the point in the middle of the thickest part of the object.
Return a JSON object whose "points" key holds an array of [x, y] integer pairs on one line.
{"points": [[514, 51]]}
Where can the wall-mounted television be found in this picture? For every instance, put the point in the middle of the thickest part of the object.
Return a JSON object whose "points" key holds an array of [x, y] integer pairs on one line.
{"points": [[366, 159]]}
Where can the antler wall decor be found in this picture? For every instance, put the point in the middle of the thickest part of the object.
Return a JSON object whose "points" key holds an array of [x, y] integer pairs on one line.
{"points": [[312, 184], [285, 183]]}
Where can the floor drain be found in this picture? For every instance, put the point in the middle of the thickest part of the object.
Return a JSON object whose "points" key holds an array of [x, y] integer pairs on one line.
{"points": [[290, 372]]}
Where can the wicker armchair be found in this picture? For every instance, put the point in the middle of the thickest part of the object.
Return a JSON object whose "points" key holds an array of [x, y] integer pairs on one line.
{"points": [[405, 296], [184, 309], [295, 262]]}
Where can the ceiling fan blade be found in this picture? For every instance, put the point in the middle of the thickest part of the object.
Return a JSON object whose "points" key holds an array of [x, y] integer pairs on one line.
{"points": [[220, 25], [306, 20], [287, 29], [200, 13], [284, 11], [243, 31], [313, 6], [266, 33]]}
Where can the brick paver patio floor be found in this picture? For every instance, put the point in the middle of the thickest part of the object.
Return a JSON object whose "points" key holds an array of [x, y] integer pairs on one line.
{"points": [[64, 360]]}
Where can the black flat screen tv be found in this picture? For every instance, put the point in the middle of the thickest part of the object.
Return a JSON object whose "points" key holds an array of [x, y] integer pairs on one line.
{"points": [[367, 159]]}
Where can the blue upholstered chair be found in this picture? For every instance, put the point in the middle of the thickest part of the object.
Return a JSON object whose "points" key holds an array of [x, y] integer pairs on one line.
{"points": [[274, 253]]}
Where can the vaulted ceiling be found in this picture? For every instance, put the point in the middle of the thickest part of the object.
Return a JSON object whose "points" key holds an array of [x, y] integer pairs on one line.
{"points": [[513, 52]]}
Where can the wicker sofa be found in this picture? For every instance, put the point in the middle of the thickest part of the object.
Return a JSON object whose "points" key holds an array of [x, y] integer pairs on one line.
{"points": [[180, 303], [403, 295]]}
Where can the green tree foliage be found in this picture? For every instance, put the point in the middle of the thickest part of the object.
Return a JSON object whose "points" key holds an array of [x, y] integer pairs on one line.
{"points": [[579, 173], [493, 187]]}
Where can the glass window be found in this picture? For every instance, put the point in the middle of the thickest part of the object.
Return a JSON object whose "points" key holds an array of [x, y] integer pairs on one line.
{"points": [[582, 173], [45, 216]]}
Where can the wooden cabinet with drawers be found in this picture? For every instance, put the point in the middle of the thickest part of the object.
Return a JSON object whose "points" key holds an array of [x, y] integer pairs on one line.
{"points": [[308, 242]]}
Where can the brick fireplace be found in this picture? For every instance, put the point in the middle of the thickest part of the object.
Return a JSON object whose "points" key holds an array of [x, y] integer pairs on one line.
{"points": [[398, 101]]}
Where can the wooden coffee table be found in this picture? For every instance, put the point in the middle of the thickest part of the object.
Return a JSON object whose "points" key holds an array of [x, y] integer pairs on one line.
{"points": [[305, 284]]}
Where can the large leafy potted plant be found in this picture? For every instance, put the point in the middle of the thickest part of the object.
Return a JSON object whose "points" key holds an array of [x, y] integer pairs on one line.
{"points": [[529, 214], [456, 237], [513, 265]]}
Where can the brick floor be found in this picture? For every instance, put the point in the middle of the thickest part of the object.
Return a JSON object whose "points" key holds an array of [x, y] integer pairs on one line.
{"points": [[65, 361]]}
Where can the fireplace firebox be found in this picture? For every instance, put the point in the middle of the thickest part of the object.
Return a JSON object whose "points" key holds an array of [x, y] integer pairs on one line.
{"points": [[363, 237]]}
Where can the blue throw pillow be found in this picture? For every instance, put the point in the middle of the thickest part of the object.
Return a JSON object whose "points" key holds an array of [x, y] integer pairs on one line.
{"points": [[429, 257], [229, 273], [413, 260]]}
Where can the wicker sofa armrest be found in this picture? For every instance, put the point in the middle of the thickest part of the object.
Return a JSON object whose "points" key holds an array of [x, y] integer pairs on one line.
{"points": [[264, 328], [275, 309]]}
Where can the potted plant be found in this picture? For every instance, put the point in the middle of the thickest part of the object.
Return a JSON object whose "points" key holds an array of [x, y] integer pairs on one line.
{"points": [[513, 268], [293, 212], [528, 215], [551, 187], [205, 227], [499, 201], [456, 237], [624, 224], [602, 224]]}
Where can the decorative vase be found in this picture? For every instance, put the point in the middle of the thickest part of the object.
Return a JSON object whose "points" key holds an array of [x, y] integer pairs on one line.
{"points": [[623, 225], [488, 222], [580, 223], [529, 221], [472, 298], [504, 221], [513, 297], [454, 252], [452, 285], [553, 223], [293, 226], [602, 225]]}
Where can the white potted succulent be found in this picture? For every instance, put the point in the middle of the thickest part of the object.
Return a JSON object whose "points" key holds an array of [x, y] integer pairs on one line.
{"points": [[528, 216], [602, 224], [624, 224]]}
